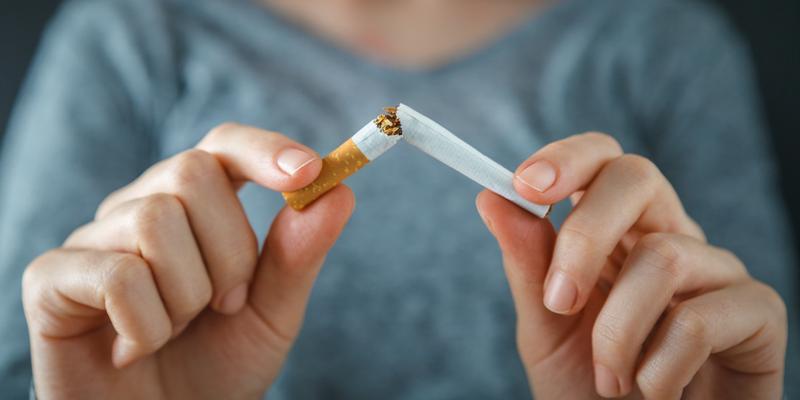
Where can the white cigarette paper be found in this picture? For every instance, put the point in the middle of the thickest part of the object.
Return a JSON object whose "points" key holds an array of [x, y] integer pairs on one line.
{"points": [[352, 155], [378, 136], [443, 145], [373, 142]]}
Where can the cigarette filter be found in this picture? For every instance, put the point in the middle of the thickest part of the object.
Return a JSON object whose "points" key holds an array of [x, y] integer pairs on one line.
{"points": [[366, 145], [441, 144]]}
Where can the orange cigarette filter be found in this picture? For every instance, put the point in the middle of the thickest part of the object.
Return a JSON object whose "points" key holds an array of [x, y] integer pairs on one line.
{"points": [[336, 167], [366, 145]]}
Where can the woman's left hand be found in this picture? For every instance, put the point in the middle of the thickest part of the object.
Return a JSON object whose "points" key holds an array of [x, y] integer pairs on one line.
{"points": [[628, 299]]}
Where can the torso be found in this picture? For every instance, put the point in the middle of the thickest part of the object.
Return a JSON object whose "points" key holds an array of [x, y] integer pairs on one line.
{"points": [[412, 301]]}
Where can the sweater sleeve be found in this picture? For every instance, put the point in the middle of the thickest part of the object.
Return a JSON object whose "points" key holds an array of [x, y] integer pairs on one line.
{"points": [[81, 128]]}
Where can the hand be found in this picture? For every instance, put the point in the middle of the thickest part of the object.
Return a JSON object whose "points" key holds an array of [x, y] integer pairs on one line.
{"points": [[628, 299], [164, 294]]}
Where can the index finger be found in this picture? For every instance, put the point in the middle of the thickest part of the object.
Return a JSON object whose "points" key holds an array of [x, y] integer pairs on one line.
{"points": [[203, 182], [267, 158], [561, 168], [230, 151]]}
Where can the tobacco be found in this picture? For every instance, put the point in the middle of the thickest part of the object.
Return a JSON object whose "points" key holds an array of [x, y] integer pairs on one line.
{"points": [[352, 155], [388, 122]]}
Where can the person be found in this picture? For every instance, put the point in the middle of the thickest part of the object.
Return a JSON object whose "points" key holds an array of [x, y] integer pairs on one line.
{"points": [[136, 210]]}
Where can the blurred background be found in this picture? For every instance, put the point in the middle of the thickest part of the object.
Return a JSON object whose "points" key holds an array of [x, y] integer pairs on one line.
{"points": [[772, 28]]}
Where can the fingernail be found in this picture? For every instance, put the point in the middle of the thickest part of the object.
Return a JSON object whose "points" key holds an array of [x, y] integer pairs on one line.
{"points": [[234, 300], [561, 293], [539, 175], [605, 381], [292, 160]]}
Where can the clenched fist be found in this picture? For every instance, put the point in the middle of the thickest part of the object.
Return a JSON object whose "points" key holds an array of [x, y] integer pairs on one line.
{"points": [[165, 294]]}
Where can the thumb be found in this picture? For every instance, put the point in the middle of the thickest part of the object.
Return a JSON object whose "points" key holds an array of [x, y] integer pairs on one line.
{"points": [[293, 254], [526, 243]]}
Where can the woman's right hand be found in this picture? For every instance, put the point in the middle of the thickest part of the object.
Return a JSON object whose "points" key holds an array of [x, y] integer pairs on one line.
{"points": [[165, 295]]}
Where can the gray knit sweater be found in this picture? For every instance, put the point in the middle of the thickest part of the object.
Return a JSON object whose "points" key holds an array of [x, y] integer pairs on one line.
{"points": [[412, 302]]}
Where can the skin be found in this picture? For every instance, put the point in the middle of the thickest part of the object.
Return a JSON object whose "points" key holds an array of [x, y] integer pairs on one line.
{"points": [[165, 294], [146, 296], [658, 313], [443, 30]]}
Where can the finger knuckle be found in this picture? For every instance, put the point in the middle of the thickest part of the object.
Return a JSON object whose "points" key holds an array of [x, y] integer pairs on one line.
{"points": [[733, 261], [603, 139], [652, 385], [32, 274], [292, 262], [661, 252], [610, 339], [694, 228], [156, 336], [106, 204], [34, 293], [640, 170], [235, 261], [76, 236], [278, 337], [126, 273], [223, 129], [775, 303], [688, 324], [192, 300], [578, 234], [156, 211], [575, 230], [30, 288], [191, 168], [33, 278], [560, 146], [245, 254]]}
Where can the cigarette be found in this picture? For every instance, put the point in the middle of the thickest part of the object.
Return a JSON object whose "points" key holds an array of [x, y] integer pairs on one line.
{"points": [[384, 132], [441, 144], [366, 145]]}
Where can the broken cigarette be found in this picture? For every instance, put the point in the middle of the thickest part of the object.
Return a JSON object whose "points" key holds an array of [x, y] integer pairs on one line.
{"points": [[441, 144], [420, 131], [366, 145]]}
